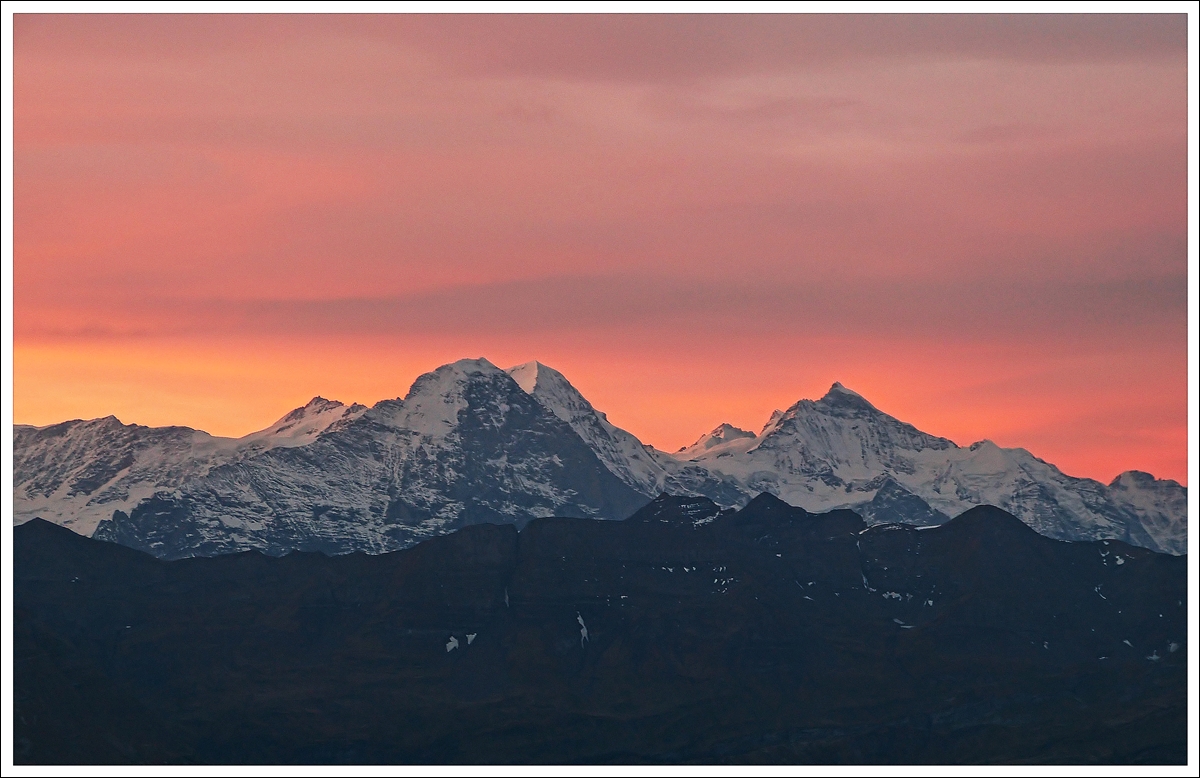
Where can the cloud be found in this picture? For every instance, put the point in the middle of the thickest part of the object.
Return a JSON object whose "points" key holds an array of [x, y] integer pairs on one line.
{"points": [[636, 47], [1053, 313]]}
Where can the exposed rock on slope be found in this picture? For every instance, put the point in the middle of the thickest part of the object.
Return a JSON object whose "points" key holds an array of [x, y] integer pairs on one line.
{"points": [[472, 443], [841, 451], [466, 445]]}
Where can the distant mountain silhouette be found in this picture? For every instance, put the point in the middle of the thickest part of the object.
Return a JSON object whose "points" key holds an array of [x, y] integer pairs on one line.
{"points": [[686, 634]]}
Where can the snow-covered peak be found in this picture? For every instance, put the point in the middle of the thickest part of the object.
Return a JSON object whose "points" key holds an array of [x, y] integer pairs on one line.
{"points": [[470, 367], [816, 453], [526, 375], [432, 405], [109, 422], [314, 407], [78, 472], [304, 424], [1160, 504], [839, 393], [319, 403], [1138, 479], [552, 389], [724, 433], [446, 378], [843, 422], [839, 401], [772, 422], [840, 398]]}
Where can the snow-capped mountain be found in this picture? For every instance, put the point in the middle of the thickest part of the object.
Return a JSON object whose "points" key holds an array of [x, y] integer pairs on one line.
{"points": [[302, 426], [842, 452], [466, 445], [78, 473], [724, 433], [1161, 504], [473, 443]]}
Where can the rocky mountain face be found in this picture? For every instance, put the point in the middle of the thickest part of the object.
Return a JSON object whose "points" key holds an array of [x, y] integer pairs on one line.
{"points": [[689, 633], [472, 443], [466, 446], [1160, 504], [643, 468], [78, 473]]}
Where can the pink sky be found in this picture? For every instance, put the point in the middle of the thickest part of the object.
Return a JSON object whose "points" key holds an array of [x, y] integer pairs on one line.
{"points": [[979, 223]]}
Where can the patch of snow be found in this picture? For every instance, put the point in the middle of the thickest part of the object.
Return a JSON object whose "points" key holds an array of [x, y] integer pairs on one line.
{"points": [[301, 426]]}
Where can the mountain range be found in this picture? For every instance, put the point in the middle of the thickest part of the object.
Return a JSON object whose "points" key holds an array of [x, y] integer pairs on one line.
{"points": [[471, 443], [688, 633]]}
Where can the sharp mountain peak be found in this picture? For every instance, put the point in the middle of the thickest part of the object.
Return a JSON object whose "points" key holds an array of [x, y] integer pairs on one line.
{"points": [[473, 442]]}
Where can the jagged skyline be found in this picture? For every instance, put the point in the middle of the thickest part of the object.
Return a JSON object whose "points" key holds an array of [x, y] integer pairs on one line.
{"points": [[473, 443]]}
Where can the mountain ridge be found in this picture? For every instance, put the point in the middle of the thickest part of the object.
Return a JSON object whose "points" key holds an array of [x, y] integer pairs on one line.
{"points": [[688, 633], [473, 442]]}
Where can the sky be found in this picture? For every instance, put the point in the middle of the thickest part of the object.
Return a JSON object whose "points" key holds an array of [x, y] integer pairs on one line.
{"points": [[977, 222]]}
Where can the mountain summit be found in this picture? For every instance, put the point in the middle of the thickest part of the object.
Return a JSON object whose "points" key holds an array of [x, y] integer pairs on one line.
{"points": [[843, 452], [724, 433], [839, 396], [473, 443]]}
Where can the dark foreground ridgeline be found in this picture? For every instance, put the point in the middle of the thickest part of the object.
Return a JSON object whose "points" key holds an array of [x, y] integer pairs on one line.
{"points": [[684, 634]]}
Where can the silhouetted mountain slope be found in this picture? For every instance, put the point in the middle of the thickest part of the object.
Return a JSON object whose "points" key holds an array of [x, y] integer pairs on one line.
{"points": [[686, 634]]}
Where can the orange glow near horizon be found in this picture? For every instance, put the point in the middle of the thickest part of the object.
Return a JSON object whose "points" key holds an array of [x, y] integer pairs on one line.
{"points": [[696, 219], [232, 389]]}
